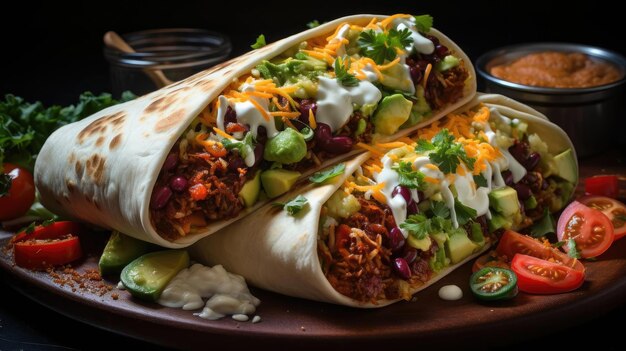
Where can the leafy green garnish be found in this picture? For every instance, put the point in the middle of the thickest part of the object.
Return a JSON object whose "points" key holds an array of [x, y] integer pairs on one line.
{"points": [[292, 68], [382, 46], [322, 176], [24, 127], [243, 147], [445, 152], [47, 222], [543, 226], [572, 249], [341, 72], [440, 209], [480, 180], [260, 42], [423, 23], [28, 229], [294, 206], [409, 177], [313, 24], [463, 213], [419, 226], [5, 184]]}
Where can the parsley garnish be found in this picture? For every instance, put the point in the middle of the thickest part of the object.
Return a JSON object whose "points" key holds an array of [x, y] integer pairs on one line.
{"points": [[313, 24], [47, 222], [294, 206], [342, 75], [572, 249], [383, 46], [409, 177], [445, 152], [5, 184], [463, 213], [322, 176], [419, 226], [260, 42], [248, 140], [423, 23], [480, 180], [543, 226], [440, 209]]}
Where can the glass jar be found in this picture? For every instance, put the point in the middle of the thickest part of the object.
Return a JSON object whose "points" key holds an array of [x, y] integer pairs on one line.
{"points": [[175, 53]]}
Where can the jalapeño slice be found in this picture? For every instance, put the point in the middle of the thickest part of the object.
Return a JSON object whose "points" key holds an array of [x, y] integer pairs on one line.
{"points": [[494, 283]]}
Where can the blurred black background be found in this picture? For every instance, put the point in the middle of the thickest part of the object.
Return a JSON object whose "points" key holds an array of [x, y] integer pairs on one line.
{"points": [[56, 51]]}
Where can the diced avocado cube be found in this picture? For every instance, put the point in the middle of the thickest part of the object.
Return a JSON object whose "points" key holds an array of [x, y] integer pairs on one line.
{"points": [[396, 77], [249, 193], [530, 203], [566, 166], [420, 244], [119, 251], [392, 112], [342, 204], [504, 200], [476, 234], [419, 110], [498, 221], [459, 247], [147, 276], [278, 181], [286, 147], [440, 238], [447, 63], [439, 261]]}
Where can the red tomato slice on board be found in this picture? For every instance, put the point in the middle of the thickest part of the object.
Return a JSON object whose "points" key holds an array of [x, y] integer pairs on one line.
{"points": [[537, 276], [54, 230], [512, 243], [41, 254], [591, 229], [602, 185], [615, 210]]}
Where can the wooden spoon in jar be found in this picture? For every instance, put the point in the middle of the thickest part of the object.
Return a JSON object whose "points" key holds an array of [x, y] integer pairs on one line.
{"points": [[114, 41]]}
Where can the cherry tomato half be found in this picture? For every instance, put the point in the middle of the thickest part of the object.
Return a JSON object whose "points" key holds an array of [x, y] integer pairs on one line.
{"points": [[537, 276], [512, 243], [615, 210], [50, 245], [602, 185], [591, 229], [21, 194]]}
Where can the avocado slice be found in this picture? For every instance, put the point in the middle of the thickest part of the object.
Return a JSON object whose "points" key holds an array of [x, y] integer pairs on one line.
{"points": [[420, 244], [392, 112], [566, 166], [278, 181], [286, 147], [459, 246], [147, 276], [498, 221], [119, 251], [249, 193], [419, 110], [530, 203], [504, 200], [476, 234], [447, 63]]}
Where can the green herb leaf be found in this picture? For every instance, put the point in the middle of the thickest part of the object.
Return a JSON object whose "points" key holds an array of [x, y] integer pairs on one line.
{"points": [[260, 42], [440, 209], [543, 226], [322, 176], [243, 147], [28, 229], [445, 152], [417, 225], [5, 183], [572, 249], [47, 222], [480, 180], [382, 46], [423, 23], [409, 177], [342, 75], [463, 213], [558, 244], [313, 24], [294, 206]]}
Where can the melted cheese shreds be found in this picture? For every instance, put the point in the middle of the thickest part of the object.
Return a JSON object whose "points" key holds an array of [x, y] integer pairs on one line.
{"points": [[387, 21], [370, 149], [312, 122]]}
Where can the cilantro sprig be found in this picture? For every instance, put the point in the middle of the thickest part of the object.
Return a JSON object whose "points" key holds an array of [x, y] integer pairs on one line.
{"points": [[445, 152], [572, 250], [243, 147], [419, 226], [408, 177], [480, 180], [313, 24], [322, 176], [294, 206], [260, 42], [464, 213], [342, 74], [383, 46], [423, 23]]}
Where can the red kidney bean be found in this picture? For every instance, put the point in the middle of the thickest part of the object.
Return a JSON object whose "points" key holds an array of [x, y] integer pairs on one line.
{"points": [[420, 196], [178, 183], [523, 191], [409, 254], [416, 74], [532, 161], [170, 162], [508, 177], [261, 135], [404, 192], [519, 151], [432, 38], [323, 133], [235, 163], [339, 145], [160, 197], [258, 154], [441, 51], [412, 208], [305, 106], [401, 267], [230, 116], [396, 239], [544, 184]]}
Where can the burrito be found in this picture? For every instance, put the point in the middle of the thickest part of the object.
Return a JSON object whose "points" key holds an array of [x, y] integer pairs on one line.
{"points": [[184, 161], [406, 213]]}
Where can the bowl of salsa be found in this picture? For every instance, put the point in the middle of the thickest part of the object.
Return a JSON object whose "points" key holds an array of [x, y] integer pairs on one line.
{"points": [[576, 86]]}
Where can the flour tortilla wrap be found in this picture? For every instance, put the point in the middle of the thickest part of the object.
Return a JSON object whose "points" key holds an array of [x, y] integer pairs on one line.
{"points": [[103, 169], [279, 252]]}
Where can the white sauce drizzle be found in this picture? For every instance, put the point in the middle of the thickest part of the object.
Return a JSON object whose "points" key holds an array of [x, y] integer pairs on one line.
{"points": [[341, 34], [228, 293], [397, 204], [450, 293], [420, 43]]}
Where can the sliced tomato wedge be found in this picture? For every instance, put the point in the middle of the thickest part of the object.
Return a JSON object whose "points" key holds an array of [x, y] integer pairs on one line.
{"points": [[51, 231], [591, 229], [512, 243], [42, 254], [615, 210], [537, 276], [602, 185]]}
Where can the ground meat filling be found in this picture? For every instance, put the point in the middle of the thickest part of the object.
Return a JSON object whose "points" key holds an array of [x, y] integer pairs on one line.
{"points": [[210, 193], [358, 262]]}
